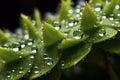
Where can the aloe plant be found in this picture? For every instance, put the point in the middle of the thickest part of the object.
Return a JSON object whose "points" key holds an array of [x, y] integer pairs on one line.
{"points": [[50, 49]]}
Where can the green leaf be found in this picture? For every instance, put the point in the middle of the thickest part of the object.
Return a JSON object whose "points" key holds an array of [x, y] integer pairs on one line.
{"points": [[110, 23], [45, 60], [17, 69], [69, 42], [3, 38], [108, 9], [33, 32], [112, 45], [51, 35], [9, 55], [104, 34], [89, 18], [73, 55], [37, 19], [64, 8]]}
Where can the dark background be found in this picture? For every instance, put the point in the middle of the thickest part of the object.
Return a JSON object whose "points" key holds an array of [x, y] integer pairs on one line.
{"points": [[10, 10]]}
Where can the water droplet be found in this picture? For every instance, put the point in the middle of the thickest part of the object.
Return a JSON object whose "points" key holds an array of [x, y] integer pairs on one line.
{"points": [[57, 27], [117, 22], [32, 57], [65, 35], [36, 72], [77, 10], [8, 76], [6, 45], [80, 13], [49, 63], [20, 56], [34, 22], [29, 71], [76, 37], [34, 51], [113, 24], [97, 9], [102, 32], [62, 63], [23, 45], [71, 24], [29, 43], [117, 7], [104, 17], [29, 64], [111, 18], [77, 15], [20, 72], [13, 70], [36, 67], [71, 11], [26, 36], [118, 14], [16, 49]]}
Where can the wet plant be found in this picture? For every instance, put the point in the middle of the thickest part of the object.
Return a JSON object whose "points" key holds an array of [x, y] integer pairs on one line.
{"points": [[64, 44]]}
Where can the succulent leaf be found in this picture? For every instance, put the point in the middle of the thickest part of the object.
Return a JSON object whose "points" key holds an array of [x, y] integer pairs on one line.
{"points": [[48, 32]]}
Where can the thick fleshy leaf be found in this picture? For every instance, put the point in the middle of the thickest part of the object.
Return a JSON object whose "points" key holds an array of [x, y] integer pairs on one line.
{"points": [[73, 55], [64, 7], [111, 22], [108, 9], [104, 34], [16, 70], [113, 45], [9, 55], [51, 35], [33, 32], [69, 42], [45, 60], [89, 18], [3, 38], [37, 19]]}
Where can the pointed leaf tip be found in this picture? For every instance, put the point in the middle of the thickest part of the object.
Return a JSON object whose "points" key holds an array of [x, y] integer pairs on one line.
{"points": [[51, 35], [89, 18]]}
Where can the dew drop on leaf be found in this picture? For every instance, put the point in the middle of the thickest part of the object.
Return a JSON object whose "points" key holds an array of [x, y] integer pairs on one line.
{"points": [[36, 72], [16, 49]]}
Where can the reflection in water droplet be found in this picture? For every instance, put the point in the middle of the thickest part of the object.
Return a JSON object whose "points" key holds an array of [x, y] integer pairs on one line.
{"points": [[76, 37], [29, 43], [97, 9], [104, 17], [49, 63], [32, 57], [77, 10], [20, 72], [36, 67], [23, 45], [36, 72], [8, 76], [16, 49], [13, 70], [62, 63], [71, 24], [117, 7], [102, 32], [57, 27], [111, 18], [118, 14], [34, 51], [20, 56], [71, 11]]}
